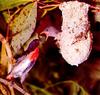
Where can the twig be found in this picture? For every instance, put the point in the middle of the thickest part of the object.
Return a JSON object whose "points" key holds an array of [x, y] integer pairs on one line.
{"points": [[48, 6], [96, 9], [20, 89], [11, 90], [52, 1], [13, 85], [4, 81]]}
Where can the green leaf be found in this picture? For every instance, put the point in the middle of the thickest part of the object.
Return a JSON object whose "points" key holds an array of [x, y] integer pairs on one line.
{"points": [[74, 88], [48, 9], [47, 1], [9, 4], [23, 26], [6, 16], [37, 90]]}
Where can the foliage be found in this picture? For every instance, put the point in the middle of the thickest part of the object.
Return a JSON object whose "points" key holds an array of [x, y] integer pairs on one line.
{"points": [[27, 21], [22, 25], [5, 4]]}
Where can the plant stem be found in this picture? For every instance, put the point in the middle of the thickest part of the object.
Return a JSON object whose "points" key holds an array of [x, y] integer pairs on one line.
{"points": [[13, 85]]}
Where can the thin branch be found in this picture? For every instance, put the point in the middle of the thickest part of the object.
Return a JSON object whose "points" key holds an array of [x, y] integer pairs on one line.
{"points": [[48, 6], [4, 81], [13, 85], [20, 89], [96, 9], [52, 1], [11, 90]]}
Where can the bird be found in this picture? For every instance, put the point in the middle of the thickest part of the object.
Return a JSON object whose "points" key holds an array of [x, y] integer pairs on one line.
{"points": [[22, 67]]}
